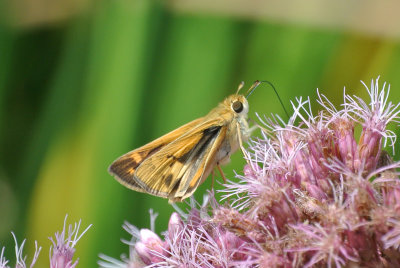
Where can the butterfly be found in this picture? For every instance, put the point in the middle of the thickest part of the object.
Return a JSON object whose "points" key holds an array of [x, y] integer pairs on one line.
{"points": [[174, 165]]}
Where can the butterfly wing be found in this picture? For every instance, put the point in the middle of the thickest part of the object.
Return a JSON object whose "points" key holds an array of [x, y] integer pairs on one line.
{"points": [[178, 168], [201, 166], [124, 167]]}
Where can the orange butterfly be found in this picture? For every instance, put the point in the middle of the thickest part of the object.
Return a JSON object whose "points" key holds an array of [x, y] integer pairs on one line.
{"points": [[174, 165]]}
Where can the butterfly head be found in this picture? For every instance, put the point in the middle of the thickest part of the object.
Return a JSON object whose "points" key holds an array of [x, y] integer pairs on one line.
{"points": [[237, 104]]}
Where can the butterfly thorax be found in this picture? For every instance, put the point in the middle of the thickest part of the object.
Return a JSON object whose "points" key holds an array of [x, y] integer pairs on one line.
{"points": [[235, 123]]}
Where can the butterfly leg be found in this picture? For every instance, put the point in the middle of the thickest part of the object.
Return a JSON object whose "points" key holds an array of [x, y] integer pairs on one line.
{"points": [[221, 172], [212, 179], [246, 157], [255, 126], [241, 144]]}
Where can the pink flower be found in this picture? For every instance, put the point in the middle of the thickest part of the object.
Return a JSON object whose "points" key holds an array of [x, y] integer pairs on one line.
{"points": [[63, 247], [20, 259], [313, 194], [149, 247], [323, 245], [62, 253]]}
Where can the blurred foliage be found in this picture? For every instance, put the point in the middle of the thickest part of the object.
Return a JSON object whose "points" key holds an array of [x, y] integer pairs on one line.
{"points": [[77, 94]]}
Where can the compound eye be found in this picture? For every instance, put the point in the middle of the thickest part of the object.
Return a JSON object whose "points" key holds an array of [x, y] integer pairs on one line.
{"points": [[237, 106]]}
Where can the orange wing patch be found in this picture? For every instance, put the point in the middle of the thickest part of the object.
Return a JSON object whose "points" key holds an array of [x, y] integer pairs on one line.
{"points": [[125, 166]]}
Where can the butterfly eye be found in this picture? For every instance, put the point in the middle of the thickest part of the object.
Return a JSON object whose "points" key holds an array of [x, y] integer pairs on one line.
{"points": [[237, 106]]}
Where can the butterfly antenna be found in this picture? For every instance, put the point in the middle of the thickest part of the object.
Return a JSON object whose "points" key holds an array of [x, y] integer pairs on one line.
{"points": [[257, 83], [240, 87]]}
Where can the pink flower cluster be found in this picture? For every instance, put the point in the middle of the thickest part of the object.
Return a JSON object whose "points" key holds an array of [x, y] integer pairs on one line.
{"points": [[317, 191], [60, 256]]}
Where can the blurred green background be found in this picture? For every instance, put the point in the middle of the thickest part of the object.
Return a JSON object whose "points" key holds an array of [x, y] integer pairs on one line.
{"points": [[84, 81]]}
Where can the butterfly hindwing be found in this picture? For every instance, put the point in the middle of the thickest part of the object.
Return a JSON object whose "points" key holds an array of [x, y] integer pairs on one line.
{"points": [[180, 165], [202, 167]]}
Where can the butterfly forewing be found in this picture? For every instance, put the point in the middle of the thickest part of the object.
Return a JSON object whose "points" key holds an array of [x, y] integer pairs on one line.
{"points": [[125, 166]]}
